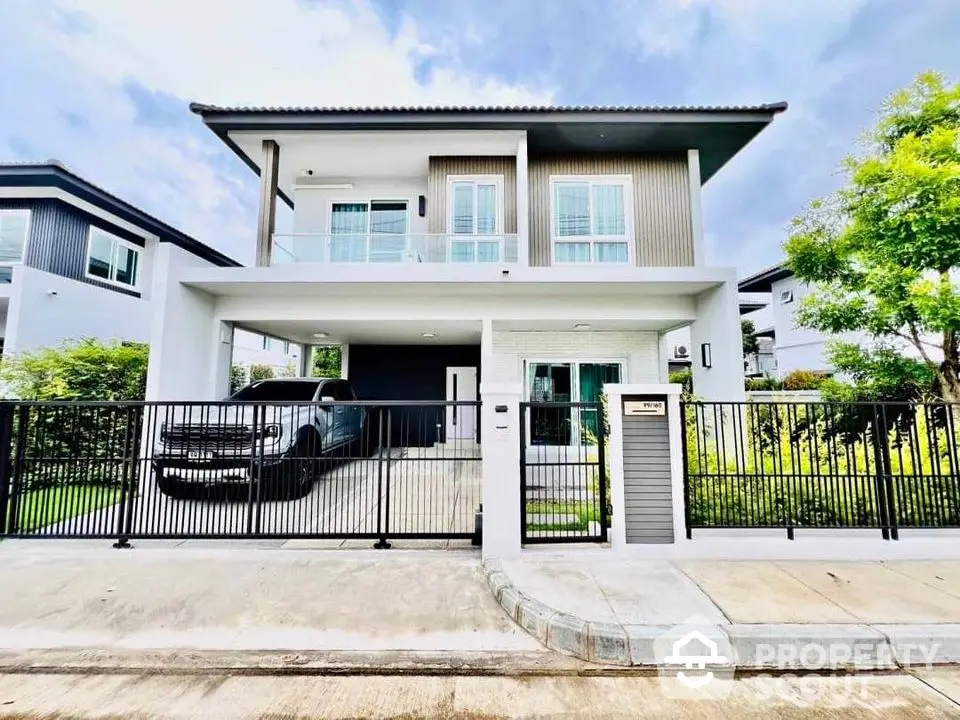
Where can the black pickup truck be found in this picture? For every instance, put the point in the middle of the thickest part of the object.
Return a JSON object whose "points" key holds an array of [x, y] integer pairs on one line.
{"points": [[276, 433]]}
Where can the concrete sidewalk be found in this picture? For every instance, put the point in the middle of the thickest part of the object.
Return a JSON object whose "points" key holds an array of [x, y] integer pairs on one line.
{"points": [[65, 605], [612, 610]]}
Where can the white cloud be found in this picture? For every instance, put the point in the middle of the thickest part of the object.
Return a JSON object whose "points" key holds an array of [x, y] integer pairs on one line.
{"points": [[75, 57]]}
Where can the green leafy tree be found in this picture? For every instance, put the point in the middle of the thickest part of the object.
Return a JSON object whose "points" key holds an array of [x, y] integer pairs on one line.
{"points": [[261, 372], [751, 346], [238, 377], [78, 370], [883, 252], [326, 362]]}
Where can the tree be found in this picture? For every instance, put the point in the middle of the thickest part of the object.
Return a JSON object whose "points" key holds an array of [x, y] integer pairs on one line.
{"points": [[261, 372], [326, 362], [751, 346], [883, 253], [238, 377]]}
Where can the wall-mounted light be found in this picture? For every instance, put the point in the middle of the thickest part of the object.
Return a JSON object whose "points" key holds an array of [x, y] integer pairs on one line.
{"points": [[706, 357], [422, 206]]}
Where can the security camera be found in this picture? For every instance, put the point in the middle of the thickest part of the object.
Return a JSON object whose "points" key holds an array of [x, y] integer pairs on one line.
{"points": [[308, 173]]}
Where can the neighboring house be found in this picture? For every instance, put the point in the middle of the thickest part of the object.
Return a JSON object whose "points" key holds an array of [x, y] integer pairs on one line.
{"points": [[794, 348], [544, 249], [281, 356], [77, 261], [679, 348]]}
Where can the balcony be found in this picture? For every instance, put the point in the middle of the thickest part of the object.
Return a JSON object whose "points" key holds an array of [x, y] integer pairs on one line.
{"points": [[444, 248]]}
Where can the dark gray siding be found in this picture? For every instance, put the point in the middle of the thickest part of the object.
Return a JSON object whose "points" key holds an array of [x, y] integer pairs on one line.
{"points": [[648, 499], [58, 239]]}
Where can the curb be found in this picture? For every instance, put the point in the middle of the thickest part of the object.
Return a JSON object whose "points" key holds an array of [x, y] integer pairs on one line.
{"points": [[851, 647]]}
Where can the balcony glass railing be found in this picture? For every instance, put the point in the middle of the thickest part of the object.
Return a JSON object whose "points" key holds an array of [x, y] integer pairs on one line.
{"points": [[385, 248]]}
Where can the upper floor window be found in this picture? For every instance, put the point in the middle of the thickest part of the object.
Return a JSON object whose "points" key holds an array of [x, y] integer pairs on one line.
{"points": [[592, 219], [112, 259], [372, 231], [476, 208], [13, 234]]}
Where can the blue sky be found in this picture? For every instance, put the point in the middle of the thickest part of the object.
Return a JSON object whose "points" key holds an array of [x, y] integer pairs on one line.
{"points": [[103, 85]]}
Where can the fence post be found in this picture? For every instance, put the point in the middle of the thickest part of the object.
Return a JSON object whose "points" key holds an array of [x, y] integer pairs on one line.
{"points": [[6, 439], [16, 479], [602, 460], [251, 472], [384, 528], [523, 471], [126, 492], [881, 460], [686, 470]]}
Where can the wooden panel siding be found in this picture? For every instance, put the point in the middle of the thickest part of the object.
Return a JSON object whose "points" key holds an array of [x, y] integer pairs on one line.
{"points": [[661, 203], [442, 166]]}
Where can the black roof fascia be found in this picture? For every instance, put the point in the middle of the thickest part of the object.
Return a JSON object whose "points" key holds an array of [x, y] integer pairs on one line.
{"points": [[54, 174], [762, 282]]}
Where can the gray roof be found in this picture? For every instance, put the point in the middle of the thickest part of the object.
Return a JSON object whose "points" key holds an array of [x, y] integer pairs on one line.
{"points": [[718, 132], [201, 109], [762, 282], [53, 173]]}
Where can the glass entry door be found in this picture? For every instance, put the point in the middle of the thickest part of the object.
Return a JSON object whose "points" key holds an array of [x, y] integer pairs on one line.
{"points": [[566, 382]]}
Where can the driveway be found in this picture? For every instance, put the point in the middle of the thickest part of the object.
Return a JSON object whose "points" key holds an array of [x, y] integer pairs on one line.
{"points": [[424, 491]]}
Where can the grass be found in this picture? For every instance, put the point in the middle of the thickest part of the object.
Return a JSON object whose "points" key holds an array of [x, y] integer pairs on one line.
{"points": [[587, 511], [39, 508]]}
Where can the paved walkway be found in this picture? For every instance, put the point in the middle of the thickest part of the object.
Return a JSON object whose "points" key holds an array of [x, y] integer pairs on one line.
{"points": [[932, 695], [596, 606], [133, 603]]}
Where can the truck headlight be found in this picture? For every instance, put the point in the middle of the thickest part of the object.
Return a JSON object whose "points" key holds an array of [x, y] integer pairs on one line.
{"points": [[269, 431]]}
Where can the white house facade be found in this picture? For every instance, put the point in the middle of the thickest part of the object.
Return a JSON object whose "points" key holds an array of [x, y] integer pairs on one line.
{"points": [[535, 248]]}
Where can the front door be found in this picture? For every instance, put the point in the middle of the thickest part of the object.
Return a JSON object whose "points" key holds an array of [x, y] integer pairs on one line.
{"points": [[461, 419]]}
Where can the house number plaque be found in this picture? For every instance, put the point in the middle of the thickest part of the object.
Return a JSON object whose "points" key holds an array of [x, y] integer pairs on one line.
{"points": [[644, 407]]}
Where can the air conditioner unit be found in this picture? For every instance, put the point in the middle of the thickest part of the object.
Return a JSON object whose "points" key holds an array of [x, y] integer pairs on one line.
{"points": [[681, 351], [786, 296]]}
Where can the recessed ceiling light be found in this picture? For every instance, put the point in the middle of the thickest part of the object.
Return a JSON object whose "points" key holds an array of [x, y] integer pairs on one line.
{"points": [[429, 335], [581, 326], [321, 335]]}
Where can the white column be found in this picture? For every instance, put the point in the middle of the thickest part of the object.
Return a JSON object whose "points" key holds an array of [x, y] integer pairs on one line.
{"points": [[696, 208], [718, 326], [221, 357], [345, 361], [500, 438], [523, 204]]}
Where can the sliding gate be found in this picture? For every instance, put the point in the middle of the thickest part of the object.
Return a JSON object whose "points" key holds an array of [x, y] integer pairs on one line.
{"points": [[563, 476]]}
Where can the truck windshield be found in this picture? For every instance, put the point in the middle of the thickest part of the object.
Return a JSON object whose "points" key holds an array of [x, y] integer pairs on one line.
{"points": [[277, 390]]}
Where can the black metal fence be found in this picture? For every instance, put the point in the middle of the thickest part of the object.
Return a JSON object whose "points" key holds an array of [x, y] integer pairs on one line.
{"points": [[793, 465], [563, 474], [239, 470]]}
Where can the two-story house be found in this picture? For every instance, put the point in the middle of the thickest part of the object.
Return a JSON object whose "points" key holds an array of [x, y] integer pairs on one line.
{"points": [[77, 261], [544, 248]]}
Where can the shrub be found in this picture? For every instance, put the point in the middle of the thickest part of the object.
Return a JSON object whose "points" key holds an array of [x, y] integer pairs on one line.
{"points": [[763, 384], [261, 372], [78, 370], [238, 377], [685, 378], [804, 380]]}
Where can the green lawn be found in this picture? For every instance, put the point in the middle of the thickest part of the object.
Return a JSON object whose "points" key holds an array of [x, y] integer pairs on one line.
{"points": [[586, 511], [39, 508]]}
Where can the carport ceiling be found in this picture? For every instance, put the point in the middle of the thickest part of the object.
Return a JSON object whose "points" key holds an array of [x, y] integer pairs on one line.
{"points": [[370, 332]]}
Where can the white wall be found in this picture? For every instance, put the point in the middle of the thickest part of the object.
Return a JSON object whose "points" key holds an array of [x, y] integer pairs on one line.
{"points": [[185, 339], [799, 348], [46, 309], [718, 323], [312, 207], [639, 352]]}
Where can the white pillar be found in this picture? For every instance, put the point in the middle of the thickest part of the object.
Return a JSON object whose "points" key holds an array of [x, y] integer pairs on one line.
{"points": [[500, 438], [345, 361], [718, 326], [523, 204], [696, 210], [221, 359]]}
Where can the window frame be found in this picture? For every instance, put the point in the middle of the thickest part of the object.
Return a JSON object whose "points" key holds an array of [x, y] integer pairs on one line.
{"points": [[475, 238], [26, 233], [629, 223], [369, 201], [118, 242]]}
